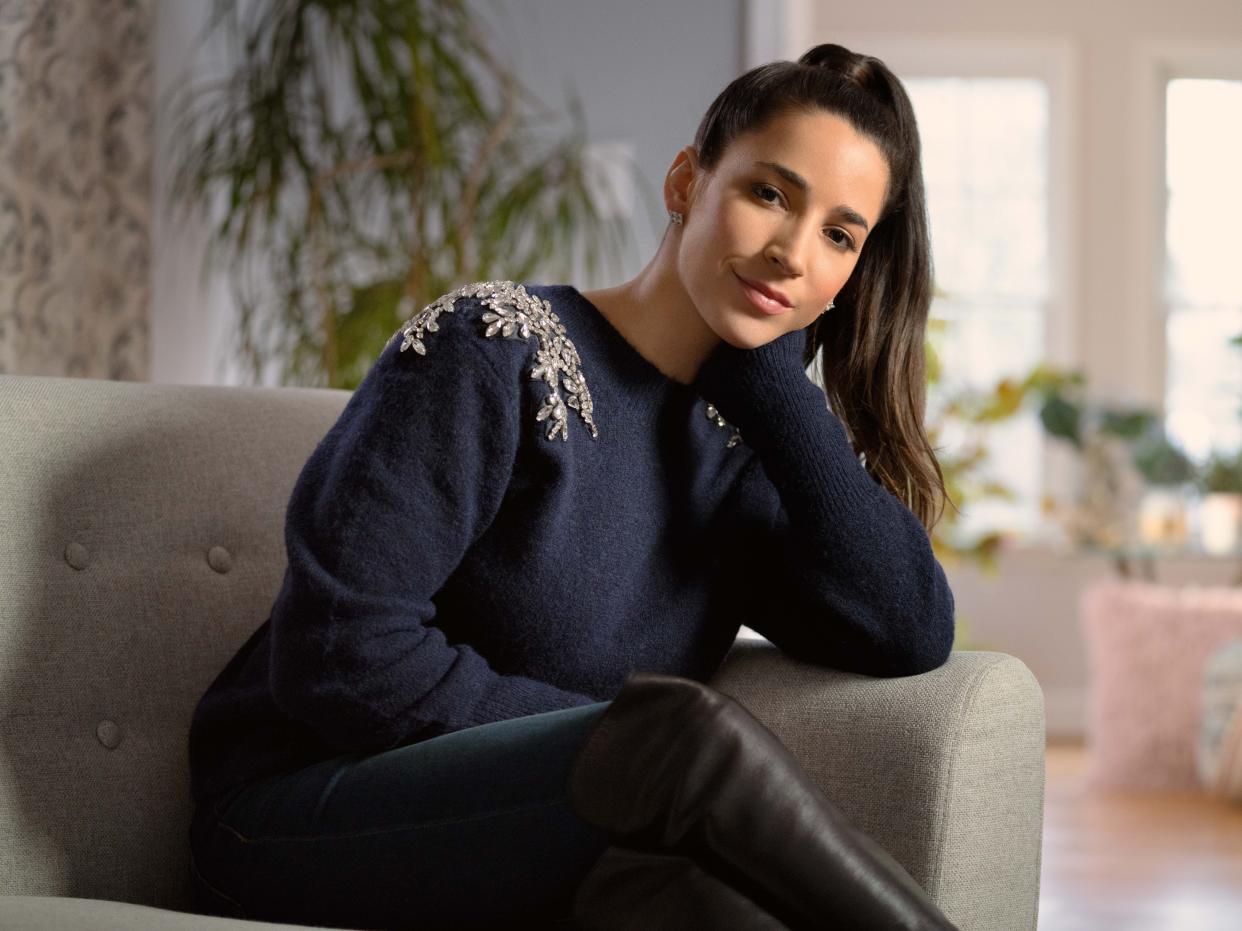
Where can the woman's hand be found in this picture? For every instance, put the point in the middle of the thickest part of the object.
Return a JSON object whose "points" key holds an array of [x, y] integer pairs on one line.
{"points": [[786, 348], [730, 377]]}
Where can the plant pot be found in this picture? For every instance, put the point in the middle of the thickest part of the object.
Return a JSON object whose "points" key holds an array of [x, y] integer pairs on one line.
{"points": [[1163, 520], [1220, 522]]}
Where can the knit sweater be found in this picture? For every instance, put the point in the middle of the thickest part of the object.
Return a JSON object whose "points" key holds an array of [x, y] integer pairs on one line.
{"points": [[516, 509]]}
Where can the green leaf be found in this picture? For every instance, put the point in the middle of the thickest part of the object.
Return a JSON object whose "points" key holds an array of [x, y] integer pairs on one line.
{"points": [[1062, 419], [1222, 472], [1129, 425], [1162, 463]]}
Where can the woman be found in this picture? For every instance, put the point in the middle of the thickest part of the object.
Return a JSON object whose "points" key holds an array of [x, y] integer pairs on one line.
{"points": [[531, 538]]}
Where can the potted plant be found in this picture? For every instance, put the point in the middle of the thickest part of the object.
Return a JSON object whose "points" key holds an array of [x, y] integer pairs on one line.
{"points": [[1220, 512], [1132, 469], [371, 156], [1163, 520]]}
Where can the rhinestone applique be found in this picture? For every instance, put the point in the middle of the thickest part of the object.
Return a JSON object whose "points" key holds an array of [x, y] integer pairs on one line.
{"points": [[714, 416], [516, 314]]}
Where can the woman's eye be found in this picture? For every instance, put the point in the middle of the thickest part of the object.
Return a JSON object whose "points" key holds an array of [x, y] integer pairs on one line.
{"points": [[761, 189], [847, 242]]}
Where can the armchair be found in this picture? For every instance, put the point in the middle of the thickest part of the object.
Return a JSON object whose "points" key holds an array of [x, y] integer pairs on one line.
{"points": [[141, 541]]}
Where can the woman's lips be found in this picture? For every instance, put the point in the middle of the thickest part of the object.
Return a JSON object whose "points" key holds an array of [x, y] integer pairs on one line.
{"points": [[761, 301]]}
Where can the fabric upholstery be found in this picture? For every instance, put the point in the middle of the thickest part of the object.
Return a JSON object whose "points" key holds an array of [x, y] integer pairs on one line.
{"points": [[140, 543], [56, 913]]}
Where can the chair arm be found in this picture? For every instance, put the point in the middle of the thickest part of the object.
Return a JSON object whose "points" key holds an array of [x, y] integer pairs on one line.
{"points": [[945, 769]]}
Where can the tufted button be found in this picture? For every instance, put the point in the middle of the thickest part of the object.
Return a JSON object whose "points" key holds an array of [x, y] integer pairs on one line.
{"points": [[219, 559], [77, 556], [109, 734]]}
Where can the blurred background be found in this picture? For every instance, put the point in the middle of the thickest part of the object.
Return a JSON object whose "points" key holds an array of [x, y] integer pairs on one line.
{"points": [[259, 193]]}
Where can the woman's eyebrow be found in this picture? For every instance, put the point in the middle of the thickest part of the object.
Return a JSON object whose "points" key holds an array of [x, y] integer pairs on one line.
{"points": [[845, 211]]}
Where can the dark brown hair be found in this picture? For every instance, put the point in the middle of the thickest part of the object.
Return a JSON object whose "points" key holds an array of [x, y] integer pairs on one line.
{"points": [[870, 345]]}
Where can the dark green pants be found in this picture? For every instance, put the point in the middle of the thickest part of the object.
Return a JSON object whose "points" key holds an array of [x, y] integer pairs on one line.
{"points": [[466, 830]]}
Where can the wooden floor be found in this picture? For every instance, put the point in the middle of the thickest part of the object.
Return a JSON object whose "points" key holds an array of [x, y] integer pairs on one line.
{"points": [[1135, 861]]}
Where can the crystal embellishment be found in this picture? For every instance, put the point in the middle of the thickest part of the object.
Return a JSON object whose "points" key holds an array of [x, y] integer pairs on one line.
{"points": [[714, 416], [514, 313]]}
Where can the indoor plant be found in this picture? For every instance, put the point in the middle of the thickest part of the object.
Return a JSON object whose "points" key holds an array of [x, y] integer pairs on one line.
{"points": [[1220, 513], [376, 154], [1129, 463]]}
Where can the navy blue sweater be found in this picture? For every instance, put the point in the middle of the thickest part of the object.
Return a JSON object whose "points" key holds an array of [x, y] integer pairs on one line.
{"points": [[516, 509]]}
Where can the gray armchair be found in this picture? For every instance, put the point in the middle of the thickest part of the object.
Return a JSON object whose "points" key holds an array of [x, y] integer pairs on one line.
{"points": [[141, 541]]}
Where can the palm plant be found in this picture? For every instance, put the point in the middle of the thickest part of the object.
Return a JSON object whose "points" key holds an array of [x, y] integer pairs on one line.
{"points": [[375, 154]]}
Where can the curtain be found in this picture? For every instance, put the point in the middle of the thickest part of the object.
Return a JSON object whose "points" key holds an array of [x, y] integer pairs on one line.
{"points": [[76, 147]]}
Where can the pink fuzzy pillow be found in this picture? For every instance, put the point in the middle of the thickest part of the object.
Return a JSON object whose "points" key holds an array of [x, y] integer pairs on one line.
{"points": [[1146, 649]]}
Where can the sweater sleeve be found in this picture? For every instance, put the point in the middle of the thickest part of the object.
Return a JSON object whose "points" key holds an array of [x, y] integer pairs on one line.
{"points": [[410, 475], [843, 572]]}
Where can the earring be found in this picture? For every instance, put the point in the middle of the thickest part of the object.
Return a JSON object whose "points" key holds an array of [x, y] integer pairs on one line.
{"points": [[675, 216], [831, 304]]}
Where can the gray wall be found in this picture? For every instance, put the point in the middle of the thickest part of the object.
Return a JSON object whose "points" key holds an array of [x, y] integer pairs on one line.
{"points": [[645, 72]]}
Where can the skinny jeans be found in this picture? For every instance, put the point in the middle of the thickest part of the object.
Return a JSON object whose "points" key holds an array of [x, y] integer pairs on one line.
{"points": [[470, 829]]}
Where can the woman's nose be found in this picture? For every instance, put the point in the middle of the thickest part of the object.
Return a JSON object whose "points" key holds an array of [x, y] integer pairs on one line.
{"points": [[787, 254]]}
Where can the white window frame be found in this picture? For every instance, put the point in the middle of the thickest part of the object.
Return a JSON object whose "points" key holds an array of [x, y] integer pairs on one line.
{"points": [[1154, 62]]}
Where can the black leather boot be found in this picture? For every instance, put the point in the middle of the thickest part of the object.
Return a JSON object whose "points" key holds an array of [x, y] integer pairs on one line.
{"points": [[673, 764], [641, 890]]}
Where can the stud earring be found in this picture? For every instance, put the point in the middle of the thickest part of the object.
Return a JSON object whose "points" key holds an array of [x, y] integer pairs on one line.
{"points": [[831, 304], [675, 216]]}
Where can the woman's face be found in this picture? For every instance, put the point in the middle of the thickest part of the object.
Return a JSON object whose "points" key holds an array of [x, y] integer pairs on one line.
{"points": [[795, 224]]}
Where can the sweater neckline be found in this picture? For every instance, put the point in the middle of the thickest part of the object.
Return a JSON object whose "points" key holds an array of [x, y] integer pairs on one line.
{"points": [[640, 367]]}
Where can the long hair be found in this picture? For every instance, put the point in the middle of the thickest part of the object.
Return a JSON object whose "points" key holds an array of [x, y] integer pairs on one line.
{"points": [[870, 345]]}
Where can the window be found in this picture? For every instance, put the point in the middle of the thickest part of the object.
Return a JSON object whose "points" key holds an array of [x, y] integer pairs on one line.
{"points": [[1203, 242], [999, 128], [985, 166]]}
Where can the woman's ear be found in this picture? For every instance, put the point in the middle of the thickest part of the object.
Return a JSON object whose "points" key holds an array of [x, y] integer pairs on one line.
{"points": [[683, 179]]}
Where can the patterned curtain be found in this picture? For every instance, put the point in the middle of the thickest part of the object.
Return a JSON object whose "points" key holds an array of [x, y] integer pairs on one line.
{"points": [[76, 147]]}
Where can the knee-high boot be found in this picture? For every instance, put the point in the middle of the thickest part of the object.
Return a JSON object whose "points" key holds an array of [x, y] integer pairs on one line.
{"points": [[674, 764], [630, 889]]}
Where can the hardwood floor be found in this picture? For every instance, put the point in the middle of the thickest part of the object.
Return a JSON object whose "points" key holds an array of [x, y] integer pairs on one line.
{"points": [[1135, 861]]}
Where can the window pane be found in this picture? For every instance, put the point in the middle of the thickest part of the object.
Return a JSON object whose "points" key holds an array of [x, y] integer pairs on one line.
{"points": [[1204, 379], [1204, 243], [985, 169], [985, 166], [982, 345], [1203, 291], [979, 348]]}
